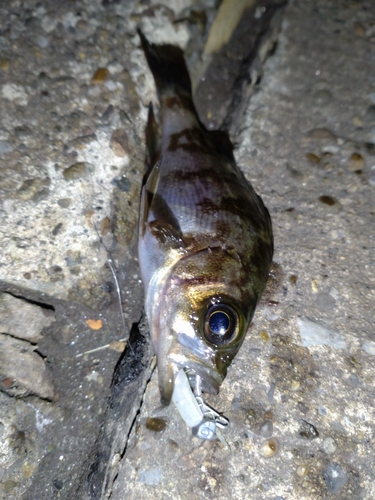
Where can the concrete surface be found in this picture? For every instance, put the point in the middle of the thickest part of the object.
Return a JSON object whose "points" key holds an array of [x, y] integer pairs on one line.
{"points": [[300, 393]]}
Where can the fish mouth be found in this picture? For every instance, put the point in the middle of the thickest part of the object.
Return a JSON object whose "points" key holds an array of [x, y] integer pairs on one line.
{"points": [[197, 358], [211, 379], [193, 356]]}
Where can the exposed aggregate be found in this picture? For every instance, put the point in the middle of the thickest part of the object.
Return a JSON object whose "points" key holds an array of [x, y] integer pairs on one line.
{"points": [[300, 395]]}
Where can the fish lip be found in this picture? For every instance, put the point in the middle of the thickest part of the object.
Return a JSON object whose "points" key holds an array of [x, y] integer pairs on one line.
{"points": [[211, 378]]}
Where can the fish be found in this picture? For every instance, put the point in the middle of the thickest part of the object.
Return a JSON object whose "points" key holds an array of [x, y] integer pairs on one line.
{"points": [[205, 241]]}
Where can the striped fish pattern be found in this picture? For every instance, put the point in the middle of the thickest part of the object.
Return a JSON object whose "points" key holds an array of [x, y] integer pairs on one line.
{"points": [[205, 236]]}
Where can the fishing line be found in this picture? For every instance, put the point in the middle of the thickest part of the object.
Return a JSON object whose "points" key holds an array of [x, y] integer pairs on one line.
{"points": [[111, 266]]}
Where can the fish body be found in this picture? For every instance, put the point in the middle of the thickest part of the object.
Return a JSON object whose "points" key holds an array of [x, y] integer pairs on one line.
{"points": [[205, 236]]}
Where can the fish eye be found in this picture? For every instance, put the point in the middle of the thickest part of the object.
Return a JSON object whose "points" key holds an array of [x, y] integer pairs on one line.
{"points": [[220, 324]]}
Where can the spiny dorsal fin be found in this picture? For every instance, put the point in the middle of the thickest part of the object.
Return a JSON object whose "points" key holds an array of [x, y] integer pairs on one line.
{"points": [[152, 141]]}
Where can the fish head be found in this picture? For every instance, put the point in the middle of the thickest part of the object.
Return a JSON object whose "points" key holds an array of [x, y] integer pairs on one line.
{"points": [[200, 319]]}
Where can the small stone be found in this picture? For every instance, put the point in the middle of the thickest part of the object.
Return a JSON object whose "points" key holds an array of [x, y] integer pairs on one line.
{"points": [[14, 92], [94, 91], [293, 279], [108, 113], [42, 41], [22, 131], [308, 431], [40, 195], [4, 64], [78, 171], [370, 113], [314, 333], [173, 446], [236, 402], [100, 76], [250, 417], [73, 258], [110, 85], [315, 285], [58, 484], [302, 470], [54, 270], [119, 143], [325, 302], [302, 407], [8, 485], [264, 336], [64, 202], [295, 385], [27, 470], [313, 158], [4, 135], [105, 226], [22, 371], [329, 445], [334, 477], [322, 133], [359, 29], [327, 200], [82, 141], [266, 429], [122, 183], [156, 424], [356, 162], [369, 347], [22, 319], [322, 410], [354, 363], [57, 229], [271, 392], [5, 148], [31, 187], [269, 448], [150, 477]]}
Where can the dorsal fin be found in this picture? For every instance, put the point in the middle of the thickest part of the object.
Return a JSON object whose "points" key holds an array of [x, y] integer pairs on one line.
{"points": [[152, 141]]}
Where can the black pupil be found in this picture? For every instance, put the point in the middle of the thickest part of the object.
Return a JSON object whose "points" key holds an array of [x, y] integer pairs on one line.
{"points": [[219, 323]]}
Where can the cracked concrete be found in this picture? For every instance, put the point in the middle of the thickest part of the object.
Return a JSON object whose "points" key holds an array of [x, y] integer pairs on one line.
{"points": [[300, 394]]}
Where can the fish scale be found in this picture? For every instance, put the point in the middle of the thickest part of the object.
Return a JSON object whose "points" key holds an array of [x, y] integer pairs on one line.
{"points": [[205, 246]]}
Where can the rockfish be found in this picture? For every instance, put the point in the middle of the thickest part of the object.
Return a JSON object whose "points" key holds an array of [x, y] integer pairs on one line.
{"points": [[205, 242]]}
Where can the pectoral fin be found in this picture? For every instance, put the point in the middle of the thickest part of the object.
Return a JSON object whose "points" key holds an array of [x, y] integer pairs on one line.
{"points": [[166, 234]]}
